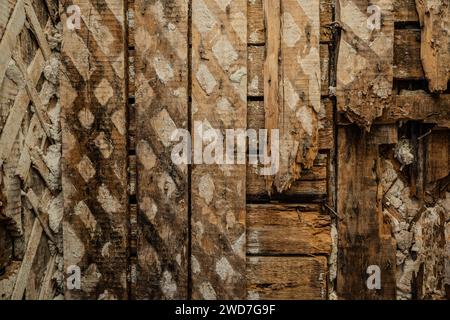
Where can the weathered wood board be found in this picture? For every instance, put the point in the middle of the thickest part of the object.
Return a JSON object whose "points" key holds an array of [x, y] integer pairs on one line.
{"points": [[292, 86], [434, 17], [94, 150], [287, 278], [364, 68], [287, 229], [161, 39], [219, 101]]}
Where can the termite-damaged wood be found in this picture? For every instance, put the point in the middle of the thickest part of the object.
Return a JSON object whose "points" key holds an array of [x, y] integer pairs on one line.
{"points": [[364, 68], [219, 79], [94, 149], [161, 39], [290, 278], [292, 106], [287, 229], [364, 240], [434, 19], [417, 105]]}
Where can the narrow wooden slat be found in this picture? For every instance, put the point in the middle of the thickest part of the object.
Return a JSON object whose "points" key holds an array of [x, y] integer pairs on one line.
{"points": [[293, 106], [287, 278], [161, 40], [8, 41], [364, 68], [284, 229], [434, 19], [92, 91], [31, 14], [30, 253], [363, 240], [15, 116], [219, 100]]}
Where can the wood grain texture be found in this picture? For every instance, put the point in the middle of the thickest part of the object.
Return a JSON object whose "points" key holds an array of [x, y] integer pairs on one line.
{"points": [[364, 239], [94, 150], [434, 17], [161, 38], [287, 229], [407, 63], [219, 101], [364, 68], [286, 278], [292, 106]]}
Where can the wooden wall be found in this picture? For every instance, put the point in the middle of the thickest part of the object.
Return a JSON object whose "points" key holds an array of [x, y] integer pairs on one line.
{"points": [[363, 118]]}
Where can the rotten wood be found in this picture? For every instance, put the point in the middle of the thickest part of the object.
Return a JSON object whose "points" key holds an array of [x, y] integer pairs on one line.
{"points": [[364, 68], [292, 86]]}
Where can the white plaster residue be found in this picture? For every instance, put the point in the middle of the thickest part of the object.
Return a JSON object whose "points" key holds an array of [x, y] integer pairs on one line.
{"points": [[206, 188], [291, 31], [108, 202], [202, 17], [168, 285], [163, 69], [207, 291], [145, 154], [291, 95], [239, 24], [224, 52], [205, 79], [149, 207], [195, 265], [305, 115], [224, 269], [311, 66], [164, 127]]}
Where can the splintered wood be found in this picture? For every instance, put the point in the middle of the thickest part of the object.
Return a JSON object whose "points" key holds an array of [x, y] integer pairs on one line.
{"points": [[364, 68], [94, 150], [161, 39], [219, 100], [434, 19], [292, 86]]}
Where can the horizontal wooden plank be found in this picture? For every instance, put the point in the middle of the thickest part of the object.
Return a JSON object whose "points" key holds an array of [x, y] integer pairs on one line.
{"points": [[256, 29], [287, 229], [419, 106], [407, 63], [290, 278]]}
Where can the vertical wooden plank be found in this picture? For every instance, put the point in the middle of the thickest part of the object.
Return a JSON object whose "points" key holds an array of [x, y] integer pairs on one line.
{"points": [[219, 100], [434, 19], [364, 68], [161, 38], [94, 149], [363, 239], [292, 106]]}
